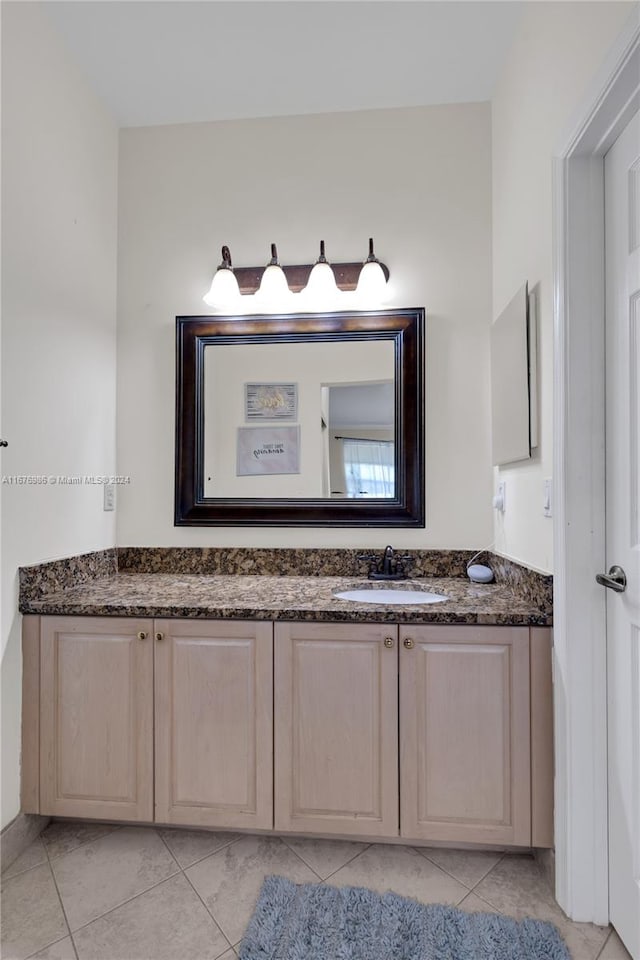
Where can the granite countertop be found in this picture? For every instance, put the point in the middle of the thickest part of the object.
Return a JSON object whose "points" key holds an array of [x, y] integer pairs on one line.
{"points": [[264, 597]]}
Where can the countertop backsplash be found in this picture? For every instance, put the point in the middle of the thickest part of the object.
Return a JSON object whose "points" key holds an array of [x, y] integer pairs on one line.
{"points": [[281, 561], [42, 579]]}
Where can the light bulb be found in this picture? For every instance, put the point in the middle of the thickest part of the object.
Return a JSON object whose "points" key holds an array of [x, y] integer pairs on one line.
{"points": [[321, 289], [224, 290], [274, 290], [372, 283]]}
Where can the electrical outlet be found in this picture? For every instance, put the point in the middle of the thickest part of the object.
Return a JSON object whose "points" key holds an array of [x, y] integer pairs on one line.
{"points": [[109, 497], [547, 497], [499, 501]]}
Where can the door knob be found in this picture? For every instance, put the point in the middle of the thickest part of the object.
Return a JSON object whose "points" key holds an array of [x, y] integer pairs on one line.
{"points": [[388, 642], [408, 642], [616, 579], [142, 635]]}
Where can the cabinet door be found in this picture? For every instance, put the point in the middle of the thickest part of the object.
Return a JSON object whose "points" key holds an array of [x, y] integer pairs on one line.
{"points": [[96, 739], [464, 734], [336, 729], [214, 723]]}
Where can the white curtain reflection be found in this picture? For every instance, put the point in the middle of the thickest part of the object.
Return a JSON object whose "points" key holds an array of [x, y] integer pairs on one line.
{"points": [[368, 468]]}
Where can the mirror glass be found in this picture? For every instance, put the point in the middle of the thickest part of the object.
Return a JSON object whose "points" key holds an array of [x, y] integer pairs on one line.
{"points": [[300, 419]]}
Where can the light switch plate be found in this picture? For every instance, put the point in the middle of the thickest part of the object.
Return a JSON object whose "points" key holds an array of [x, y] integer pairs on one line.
{"points": [[109, 494]]}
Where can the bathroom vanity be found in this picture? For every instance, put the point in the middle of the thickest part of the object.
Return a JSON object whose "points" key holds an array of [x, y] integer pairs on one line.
{"points": [[265, 703]]}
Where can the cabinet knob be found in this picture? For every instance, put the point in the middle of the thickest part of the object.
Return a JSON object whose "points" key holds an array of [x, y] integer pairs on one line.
{"points": [[408, 642], [159, 636], [142, 635], [388, 642]]}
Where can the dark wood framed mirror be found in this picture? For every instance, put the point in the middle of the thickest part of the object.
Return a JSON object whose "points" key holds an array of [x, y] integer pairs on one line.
{"points": [[300, 419]]}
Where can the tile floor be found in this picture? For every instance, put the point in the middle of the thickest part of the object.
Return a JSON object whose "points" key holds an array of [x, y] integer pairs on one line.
{"points": [[105, 892]]}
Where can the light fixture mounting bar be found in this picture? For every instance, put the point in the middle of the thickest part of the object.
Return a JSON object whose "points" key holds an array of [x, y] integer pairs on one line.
{"points": [[346, 275]]}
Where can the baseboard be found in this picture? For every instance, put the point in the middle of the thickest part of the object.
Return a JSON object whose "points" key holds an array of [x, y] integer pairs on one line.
{"points": [[18, 835]]}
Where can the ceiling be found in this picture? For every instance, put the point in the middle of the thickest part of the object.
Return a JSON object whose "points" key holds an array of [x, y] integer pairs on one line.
{"points": [[178, 61]]}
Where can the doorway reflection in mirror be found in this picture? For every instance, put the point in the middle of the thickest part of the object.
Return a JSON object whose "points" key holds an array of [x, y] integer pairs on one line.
{"points": [[359, 445]]}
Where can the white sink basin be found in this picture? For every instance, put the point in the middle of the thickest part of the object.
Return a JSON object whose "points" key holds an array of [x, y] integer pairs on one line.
{"points": [[385, 595]]}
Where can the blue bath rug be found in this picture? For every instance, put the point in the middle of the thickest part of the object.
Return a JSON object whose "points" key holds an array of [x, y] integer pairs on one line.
{"points": [[316, 922]]}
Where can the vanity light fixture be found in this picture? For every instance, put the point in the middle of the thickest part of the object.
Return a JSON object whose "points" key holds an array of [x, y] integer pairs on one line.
{"points": [[274, 284], [224, 290]]}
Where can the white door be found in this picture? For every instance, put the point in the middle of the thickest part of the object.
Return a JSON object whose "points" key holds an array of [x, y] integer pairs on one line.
{"points": [[622, 245]]}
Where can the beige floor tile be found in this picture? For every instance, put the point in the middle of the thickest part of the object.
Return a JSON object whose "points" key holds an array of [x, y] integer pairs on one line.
{"points": [[473, 904], [188, 846], [63, 836], [229, 881], [402, 870], [579, 948], [517, 888], [32, 916], [325, 856], [163, 918], [467, 866], [62, 950], [166, 923], [101, 875], [614, 949], [33, 856]]}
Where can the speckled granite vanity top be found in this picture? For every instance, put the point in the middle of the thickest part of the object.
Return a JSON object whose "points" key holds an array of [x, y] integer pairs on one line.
{"points": [[129, 593]]}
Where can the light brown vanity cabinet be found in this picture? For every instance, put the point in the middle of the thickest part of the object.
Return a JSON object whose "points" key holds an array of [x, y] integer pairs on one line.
{"points": [[464, 763], [214, 723], [426, 733], [213, 727], [465, 734], [96, 717], [336, 733]]}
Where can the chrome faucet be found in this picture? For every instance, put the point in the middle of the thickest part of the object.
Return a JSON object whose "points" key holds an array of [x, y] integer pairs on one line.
{"points": [[390, 567]]}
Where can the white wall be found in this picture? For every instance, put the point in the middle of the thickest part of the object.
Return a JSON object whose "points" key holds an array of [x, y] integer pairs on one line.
{"points": [[417, 180], [59, 234], [556, 53]]}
